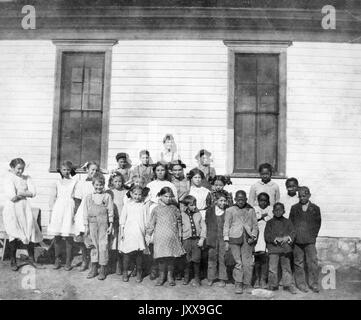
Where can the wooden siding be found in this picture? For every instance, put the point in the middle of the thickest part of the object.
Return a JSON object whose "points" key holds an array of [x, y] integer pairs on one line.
{"points": [[180, 87]]}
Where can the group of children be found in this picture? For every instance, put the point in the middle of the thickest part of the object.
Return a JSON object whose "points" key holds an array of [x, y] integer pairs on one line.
{"points": [[181, 226]]}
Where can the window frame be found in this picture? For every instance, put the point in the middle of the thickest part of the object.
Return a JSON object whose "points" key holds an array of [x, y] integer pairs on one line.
{"points": [[79, 46], [258, 47]]}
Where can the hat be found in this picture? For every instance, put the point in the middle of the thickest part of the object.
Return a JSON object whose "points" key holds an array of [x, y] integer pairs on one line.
{"points": [[123, 155], [203, 152], [176, 163]]}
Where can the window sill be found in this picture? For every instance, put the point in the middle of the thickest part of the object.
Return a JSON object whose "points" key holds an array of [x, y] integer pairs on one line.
{"points": [[255, 176]]}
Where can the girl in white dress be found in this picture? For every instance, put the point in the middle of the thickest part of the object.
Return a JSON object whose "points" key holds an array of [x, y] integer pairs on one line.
{"points": [[62, 206], [83, 188], [118, 194], [19, 222], [133, 221]]}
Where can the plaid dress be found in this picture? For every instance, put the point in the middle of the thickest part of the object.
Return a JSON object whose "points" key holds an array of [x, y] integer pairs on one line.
{"points": [[164, 223]]}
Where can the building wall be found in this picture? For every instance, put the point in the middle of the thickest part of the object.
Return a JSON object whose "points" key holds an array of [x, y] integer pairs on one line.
{"points": [[180, 87]]}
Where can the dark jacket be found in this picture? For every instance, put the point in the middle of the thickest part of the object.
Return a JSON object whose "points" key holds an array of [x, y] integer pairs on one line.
{"points": [[307, 224], [212, 227], [278, 227]]}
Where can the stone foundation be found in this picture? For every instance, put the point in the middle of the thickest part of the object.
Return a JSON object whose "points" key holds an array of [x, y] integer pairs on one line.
{"points": [[342, 253]]}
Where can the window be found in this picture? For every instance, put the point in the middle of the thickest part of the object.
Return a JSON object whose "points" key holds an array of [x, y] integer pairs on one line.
{"points": [[257, 107], [81, 106]]}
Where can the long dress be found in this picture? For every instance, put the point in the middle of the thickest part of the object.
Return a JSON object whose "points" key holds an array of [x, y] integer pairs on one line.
{"points": [[82, 189], [164, 226], [19, 222], [133, 220], [62, 216]]}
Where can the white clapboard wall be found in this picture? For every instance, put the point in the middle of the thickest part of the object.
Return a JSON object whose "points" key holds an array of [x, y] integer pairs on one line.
{"points": [[180, 87]]}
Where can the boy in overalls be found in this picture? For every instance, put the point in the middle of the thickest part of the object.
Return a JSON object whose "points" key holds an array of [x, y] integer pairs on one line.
{"points": [[98, 221]]}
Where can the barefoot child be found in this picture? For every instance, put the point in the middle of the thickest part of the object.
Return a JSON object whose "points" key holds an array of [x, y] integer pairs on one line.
{"points": [[193, 236], [263, 213], [19, 222], [215, 242], [240, 233], [82, 189], [306, 219], [165, 223], [98, 223], [264, 185], [279, 235], [133, 220], [62, 206], [117, 192]]}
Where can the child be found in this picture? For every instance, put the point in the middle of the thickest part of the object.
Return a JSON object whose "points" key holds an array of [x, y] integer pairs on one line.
{"points": [[179, 180], [306, 218], [197, 190], [138, 181], [203, 158], [165, 223], [279, 235], [144, 169], [193, 235], [265, 185], [169, 152], [263, 213], [291, 197], [124, 165], [133, 221], [19, 222], [240, 233], [218, 183], [215, 242], [82, 189], [62, 205], [117, 192], [98, 225]]}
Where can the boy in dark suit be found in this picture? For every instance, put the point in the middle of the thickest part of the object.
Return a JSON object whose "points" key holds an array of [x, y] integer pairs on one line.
{"points": [[306, 219]]}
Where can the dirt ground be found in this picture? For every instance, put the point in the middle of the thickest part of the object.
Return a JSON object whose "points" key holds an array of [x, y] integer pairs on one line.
{"points": [[49, 284]]}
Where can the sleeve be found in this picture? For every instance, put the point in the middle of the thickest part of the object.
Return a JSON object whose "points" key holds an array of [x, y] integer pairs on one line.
{"points": [[291, 233], [86, 209], [277, 194], [175, 192], [152, 222], [110, 207], [208, 200], [53, 195], [123, 216], [252, 196], [317, 222], [212, 172], [31, 186], [227, 224], [254, 223], [203, 229], [268, 234], [78, 190], [9, 188], [292, 215]]}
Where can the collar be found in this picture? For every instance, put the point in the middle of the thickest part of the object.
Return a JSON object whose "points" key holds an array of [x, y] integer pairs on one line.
{"points": [[268, 183]]}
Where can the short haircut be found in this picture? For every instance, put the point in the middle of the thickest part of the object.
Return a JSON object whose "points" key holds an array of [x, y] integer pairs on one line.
{"points": [[304, 189], [194, 172], [290, 180], [242, 192], [188, 200], [280, 204], [90, 163], [265, 166], [14, 162], [98, 177], [263, 194], [165, 190], [142, 152]]}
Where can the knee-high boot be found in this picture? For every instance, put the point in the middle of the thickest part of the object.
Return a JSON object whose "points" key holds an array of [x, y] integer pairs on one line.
{"points": [[162, 272], [13, 245], [69, 253]]}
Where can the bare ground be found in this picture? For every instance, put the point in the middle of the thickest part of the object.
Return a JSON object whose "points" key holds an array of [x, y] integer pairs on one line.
{"points": [[49, 284]]}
